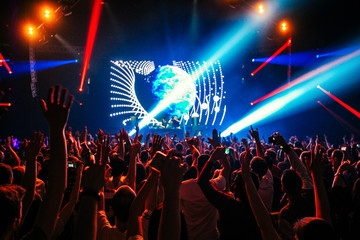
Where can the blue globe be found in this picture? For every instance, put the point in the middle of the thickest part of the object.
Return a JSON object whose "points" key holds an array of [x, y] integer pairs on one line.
{"points": [[176, 86]]}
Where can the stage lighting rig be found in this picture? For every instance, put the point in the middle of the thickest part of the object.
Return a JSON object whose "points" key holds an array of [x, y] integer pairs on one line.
{"points": [[66, 6]]}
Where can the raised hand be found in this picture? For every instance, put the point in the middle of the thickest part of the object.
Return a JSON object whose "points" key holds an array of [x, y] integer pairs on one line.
{"points": [[124, 136], [245, 162], [171, 172], [215, 140], [279, 140], [54, 110], [316, 164], [244, 142], [10, 142], [83, 136], [218, 154], [94, 176], [135, 149], [147, 138], [33, 147], [254, 133], [105, 151], [194, 141], [157, 143]]}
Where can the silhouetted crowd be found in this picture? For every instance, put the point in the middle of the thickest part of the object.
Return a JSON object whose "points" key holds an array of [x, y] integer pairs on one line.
{"points": [[113, 186]]}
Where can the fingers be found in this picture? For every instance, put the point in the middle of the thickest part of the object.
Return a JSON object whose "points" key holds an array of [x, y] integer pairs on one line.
{"points": [[43, 106], [70, 101], [50, 96], [56, 94], [64, 92], [108, 140], [98, 154]]}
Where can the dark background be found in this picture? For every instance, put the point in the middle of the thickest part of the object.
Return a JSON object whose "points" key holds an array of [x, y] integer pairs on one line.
{"points": [[161, 31]]}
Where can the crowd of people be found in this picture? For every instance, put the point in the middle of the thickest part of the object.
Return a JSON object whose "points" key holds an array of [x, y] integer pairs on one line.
{"points": [[72, 186]]}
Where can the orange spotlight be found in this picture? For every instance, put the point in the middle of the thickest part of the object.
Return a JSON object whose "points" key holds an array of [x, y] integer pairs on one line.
{"points": [[284, 26], [47, 14], [31, 30], [261, 8]]}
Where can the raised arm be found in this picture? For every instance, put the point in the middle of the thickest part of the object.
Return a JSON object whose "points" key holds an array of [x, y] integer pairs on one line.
{"points": [[316, 167], [258, 208], [56, 113], [295, 161], [259, 148], [9, 146], [214, 196], [93, 182], [68, 209], [171, 177], [137, 206], [31, 152], [131, 175], [215, 140]]}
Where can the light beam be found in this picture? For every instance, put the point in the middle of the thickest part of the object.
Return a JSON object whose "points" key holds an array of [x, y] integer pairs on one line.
{"points": [[94, 22], [288, 43], [353, 111], [310, 75]]}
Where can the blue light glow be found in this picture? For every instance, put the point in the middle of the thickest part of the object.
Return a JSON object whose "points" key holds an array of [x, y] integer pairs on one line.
{"points": [[20, 68], [297, 59], [339, 52]]}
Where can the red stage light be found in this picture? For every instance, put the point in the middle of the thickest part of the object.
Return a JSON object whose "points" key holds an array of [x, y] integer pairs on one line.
{"points": [[94, 22], [340, 119], [5, 104], [288, 42], [353, 111], [5, 63]]}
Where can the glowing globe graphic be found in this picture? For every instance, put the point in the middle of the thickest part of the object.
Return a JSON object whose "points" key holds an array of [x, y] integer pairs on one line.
{"points": [[176, 86]]}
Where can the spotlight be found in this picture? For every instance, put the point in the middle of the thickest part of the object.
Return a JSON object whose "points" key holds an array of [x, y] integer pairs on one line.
{"points": [[284, 26], [261, 8], [47, 13], [31, 30]]}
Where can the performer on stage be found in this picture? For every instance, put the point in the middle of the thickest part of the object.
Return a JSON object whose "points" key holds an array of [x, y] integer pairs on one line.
{"points": [[175, 122]]}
